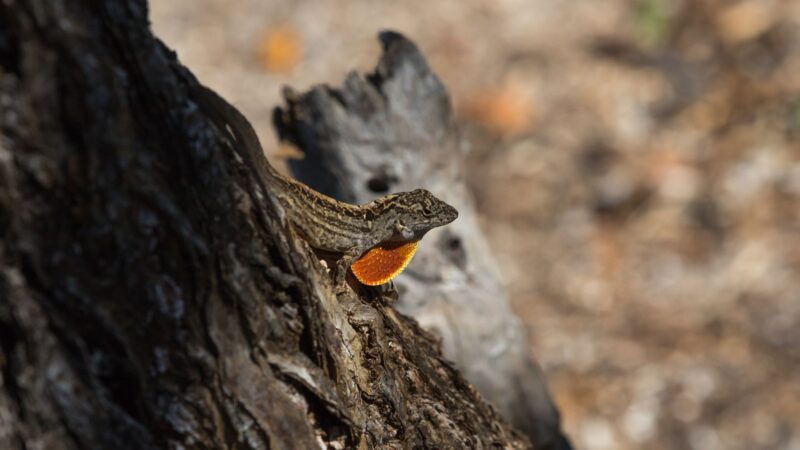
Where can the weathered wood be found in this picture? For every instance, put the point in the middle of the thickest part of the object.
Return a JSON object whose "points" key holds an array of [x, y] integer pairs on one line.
{"points": [[151, 295], [394, 130]]}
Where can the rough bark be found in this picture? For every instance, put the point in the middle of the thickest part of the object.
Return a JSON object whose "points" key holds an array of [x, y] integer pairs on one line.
{"points": [[394, 130], [151, 296]]}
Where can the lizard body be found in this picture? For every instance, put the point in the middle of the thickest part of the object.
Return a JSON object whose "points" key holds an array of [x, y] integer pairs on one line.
{"points": [[389, 226]]}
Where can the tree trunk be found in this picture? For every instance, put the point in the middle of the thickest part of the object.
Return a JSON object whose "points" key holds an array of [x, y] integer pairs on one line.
{"points": [[151, 295], [409, 139]]}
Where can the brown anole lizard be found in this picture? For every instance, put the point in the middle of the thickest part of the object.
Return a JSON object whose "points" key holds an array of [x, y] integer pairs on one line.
{"points": [[375, 240]]}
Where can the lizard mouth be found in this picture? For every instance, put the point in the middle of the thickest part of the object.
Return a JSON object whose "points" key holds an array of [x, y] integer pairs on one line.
{"points": [[383, 262]]}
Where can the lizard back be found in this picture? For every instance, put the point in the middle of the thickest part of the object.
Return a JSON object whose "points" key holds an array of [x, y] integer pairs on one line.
{"points": [[326, 223]]}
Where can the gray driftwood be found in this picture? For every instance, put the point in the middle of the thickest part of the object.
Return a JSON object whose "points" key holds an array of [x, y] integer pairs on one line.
{"points": [[393, 130], [151, 296]]}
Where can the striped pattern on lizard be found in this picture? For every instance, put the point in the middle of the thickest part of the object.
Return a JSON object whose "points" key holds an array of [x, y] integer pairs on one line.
{"points": [[376, 240]]}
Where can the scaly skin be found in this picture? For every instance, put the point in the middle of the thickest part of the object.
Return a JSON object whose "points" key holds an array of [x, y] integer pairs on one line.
{"points": [[325, 223]]}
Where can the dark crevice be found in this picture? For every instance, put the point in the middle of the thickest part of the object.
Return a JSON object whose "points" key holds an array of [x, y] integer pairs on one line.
{"points": [[454, 249], [378, 185], [327, 421], [9, 44], [10, 337]]}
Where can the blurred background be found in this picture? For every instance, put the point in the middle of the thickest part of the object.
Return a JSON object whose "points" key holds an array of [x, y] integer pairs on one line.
{"points": [[636, 164]]}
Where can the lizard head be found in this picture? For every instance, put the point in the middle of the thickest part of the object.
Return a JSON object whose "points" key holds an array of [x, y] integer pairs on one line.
{"points": [[401, 221], [418, 212]]}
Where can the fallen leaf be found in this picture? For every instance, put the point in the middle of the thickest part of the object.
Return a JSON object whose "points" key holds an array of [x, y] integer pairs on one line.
{"points": [[280, 49], [505, 111]]}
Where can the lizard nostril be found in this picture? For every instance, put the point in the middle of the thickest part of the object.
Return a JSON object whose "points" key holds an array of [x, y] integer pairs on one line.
{"points": [[378, 185]]}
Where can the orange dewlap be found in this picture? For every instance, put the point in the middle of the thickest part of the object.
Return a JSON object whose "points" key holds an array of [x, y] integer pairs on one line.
{"points": [[383, 262]]}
